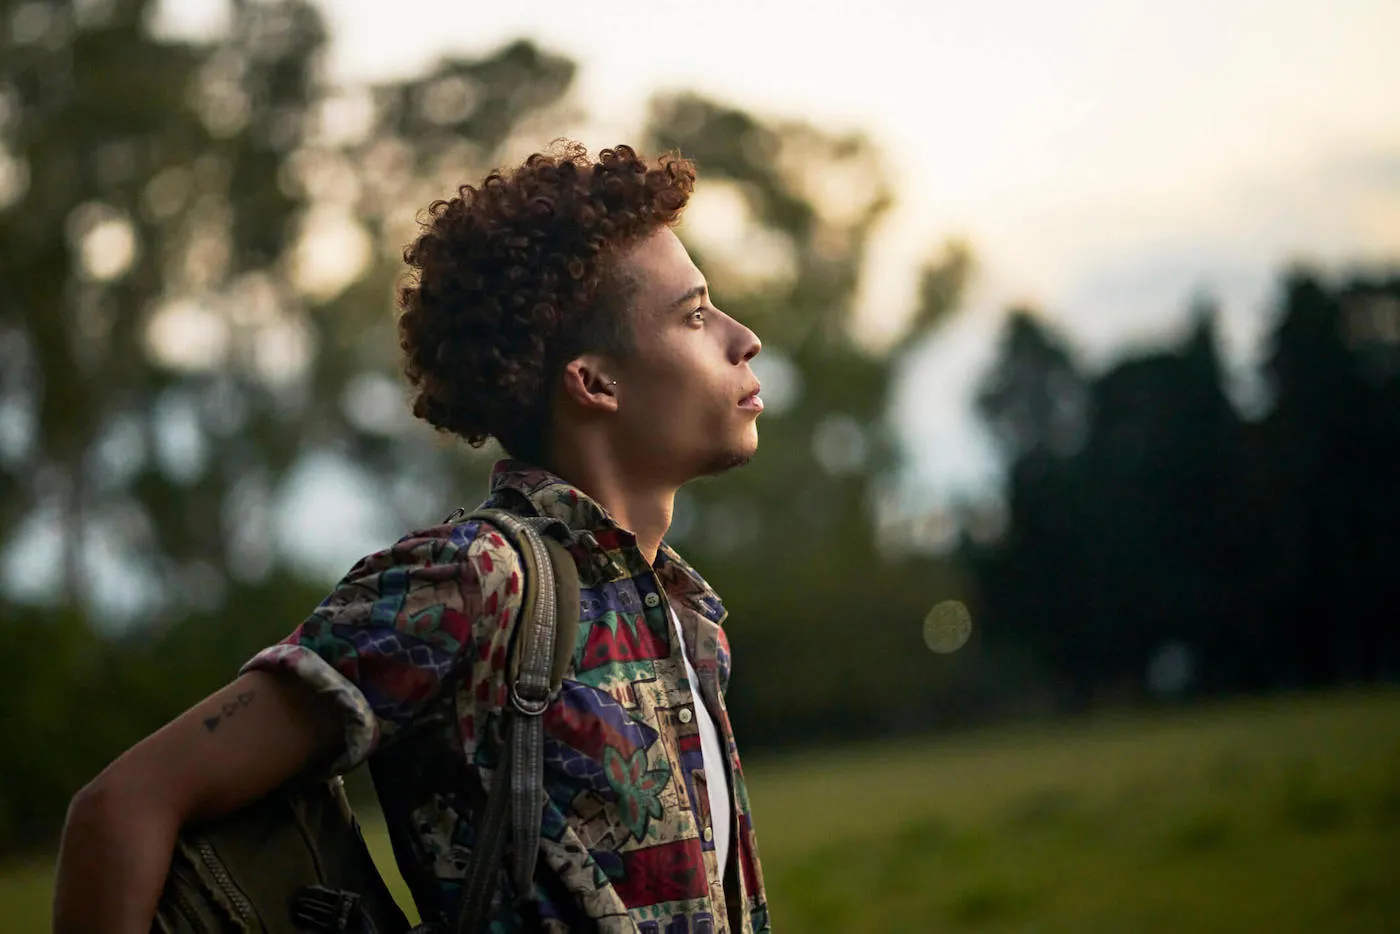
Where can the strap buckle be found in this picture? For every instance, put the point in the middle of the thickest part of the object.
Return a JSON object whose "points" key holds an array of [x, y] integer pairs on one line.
{"points": [[526, 706], [324, 909]]}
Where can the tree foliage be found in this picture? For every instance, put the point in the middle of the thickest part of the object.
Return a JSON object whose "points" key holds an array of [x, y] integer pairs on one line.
{"points": [[1169, 545]]}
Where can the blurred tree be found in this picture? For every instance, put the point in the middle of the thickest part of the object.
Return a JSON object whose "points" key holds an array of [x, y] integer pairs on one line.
{"points": [[185, 227], [1157, 542], [1036, 403], [126, 425], [183, 234], [1155, 470], [1034, 399], [1333, 448]]}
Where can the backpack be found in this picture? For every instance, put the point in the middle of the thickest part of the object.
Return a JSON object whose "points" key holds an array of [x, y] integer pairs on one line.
{"points": [[295, 861]]}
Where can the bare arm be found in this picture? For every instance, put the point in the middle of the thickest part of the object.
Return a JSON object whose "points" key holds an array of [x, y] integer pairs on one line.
{"points": [[229, 749]]}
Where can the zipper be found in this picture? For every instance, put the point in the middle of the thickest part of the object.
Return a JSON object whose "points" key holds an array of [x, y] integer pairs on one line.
{"points": [[177, 910], [241, 905], [196, 920]]}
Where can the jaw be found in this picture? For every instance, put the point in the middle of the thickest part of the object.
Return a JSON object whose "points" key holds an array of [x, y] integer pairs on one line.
{"points": [[736, 454], [727, 461], [689, 444]]}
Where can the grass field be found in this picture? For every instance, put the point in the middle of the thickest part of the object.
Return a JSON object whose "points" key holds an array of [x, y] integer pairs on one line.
{"points": [[1270, 816]]}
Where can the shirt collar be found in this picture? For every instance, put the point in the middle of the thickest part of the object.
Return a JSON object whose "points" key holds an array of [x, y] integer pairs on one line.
{"points": [[611, 548]]}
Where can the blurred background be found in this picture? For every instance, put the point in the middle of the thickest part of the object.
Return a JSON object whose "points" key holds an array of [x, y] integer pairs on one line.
{"points": [[1081, 322]]}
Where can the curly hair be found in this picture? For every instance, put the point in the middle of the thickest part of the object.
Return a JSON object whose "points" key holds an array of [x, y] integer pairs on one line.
{"points": [[512, 279]]}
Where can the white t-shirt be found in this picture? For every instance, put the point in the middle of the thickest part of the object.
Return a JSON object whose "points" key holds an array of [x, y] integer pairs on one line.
{"points": [[712, 754]]}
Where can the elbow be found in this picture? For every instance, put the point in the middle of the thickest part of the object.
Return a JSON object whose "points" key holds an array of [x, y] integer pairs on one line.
{"points": [[104, 793], [95, 795], [98, 805], [110, 818], [112, 859], [109, 804], [92, 832]]}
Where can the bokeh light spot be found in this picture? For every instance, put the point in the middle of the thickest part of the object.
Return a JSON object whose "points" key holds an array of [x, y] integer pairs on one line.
{"points": [[947, 627]]}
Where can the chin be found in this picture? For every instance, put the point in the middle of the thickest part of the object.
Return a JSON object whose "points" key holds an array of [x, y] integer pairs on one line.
{"points": [[735, 456]]}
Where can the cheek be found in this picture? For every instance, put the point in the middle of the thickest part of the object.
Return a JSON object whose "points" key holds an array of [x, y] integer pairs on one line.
{"points": [[682, 412], [682, 397]]}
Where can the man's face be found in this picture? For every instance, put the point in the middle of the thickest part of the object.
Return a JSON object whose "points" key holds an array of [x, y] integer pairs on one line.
{"points": [[687, 401]]}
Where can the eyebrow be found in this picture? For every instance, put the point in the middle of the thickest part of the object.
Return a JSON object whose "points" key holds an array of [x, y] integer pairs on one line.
{"points": [[693, 293]]}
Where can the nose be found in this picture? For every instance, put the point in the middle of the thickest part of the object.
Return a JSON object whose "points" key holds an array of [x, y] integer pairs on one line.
{"points": [[748, 343]]}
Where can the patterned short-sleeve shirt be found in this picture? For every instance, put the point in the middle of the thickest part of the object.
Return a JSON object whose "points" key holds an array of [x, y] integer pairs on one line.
{"points": [[413, 646]]}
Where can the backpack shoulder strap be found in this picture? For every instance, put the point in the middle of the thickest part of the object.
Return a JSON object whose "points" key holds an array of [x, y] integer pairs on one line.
{"points": [[544, 645]]}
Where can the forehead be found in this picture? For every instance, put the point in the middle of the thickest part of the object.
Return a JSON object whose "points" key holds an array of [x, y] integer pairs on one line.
{"points": [[659, 270]]}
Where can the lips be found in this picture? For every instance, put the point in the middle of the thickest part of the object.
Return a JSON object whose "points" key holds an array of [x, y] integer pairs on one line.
{"points": [[751, 400]]}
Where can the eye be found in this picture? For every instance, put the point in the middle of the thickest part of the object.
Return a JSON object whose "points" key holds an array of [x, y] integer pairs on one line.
{"points": [[697, 316]]}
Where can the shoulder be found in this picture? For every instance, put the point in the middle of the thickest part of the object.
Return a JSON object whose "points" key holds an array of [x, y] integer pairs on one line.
{"points": [[449, 548], [456, 576], [497, 565]]}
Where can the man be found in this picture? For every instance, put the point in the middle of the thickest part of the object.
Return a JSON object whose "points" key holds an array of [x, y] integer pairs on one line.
{"points": [[554, 309]]}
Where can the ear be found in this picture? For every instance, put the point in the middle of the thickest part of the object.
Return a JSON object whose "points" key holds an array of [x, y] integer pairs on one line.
{"points": [[587, 382]]}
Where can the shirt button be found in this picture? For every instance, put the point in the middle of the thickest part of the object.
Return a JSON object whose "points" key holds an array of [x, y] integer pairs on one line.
{"points": [[709, 835], [651, 599], [685, 715]]}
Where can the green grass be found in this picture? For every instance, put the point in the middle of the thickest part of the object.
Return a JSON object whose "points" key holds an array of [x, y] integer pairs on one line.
{"points": [[24, 898], [1270, 816]]}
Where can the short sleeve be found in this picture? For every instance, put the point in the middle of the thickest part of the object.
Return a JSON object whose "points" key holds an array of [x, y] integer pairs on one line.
{"points": [[399, 625]]}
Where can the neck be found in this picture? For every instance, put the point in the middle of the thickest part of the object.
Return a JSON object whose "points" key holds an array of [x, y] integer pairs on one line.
{"points": [[641, 507]]}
